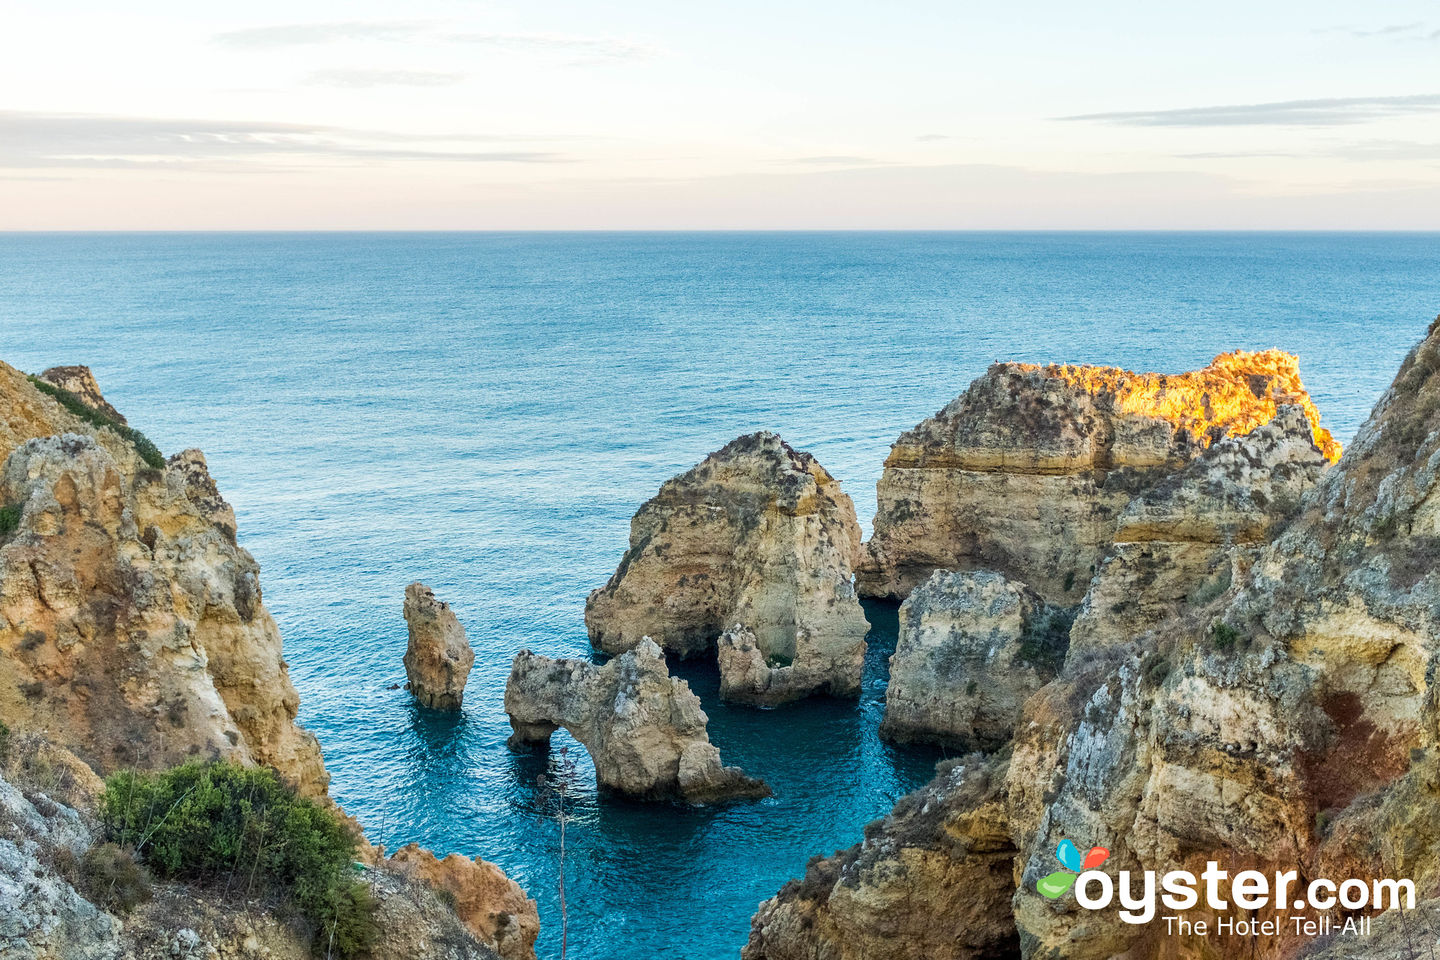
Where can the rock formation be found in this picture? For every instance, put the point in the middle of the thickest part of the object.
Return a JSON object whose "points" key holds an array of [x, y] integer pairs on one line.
{"points": [[131, 623], [757, 534], [924, 883], [1180, 542], [490, 904], [1288, 722], [1027, 472], [438, 658], [644, 729], [80, 382], [973, 647], [133, 633]]}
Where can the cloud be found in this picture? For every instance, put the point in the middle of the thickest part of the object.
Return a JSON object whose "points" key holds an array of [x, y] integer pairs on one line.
{"points": [[41, 140], [601, 48], [932, 137], [1329, 112], [304, 34], [357, 79], [1416, 30], [835, 160]]}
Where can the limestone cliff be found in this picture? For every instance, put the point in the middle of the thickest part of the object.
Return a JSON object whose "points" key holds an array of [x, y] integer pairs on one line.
{"points": [[80, 382], [438, 658], [1028, 471], [1181, 542], [973, 647], [922, 884], [644, 729], [757, 534], [493, 907]]}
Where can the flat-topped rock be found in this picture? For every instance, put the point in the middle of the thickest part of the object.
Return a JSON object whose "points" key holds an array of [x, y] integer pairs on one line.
{"points": [[1029, 470], [756, 534], [644, 730]]}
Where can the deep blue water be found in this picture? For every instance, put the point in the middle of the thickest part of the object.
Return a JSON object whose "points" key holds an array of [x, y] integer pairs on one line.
{"points": [[484, 413]]}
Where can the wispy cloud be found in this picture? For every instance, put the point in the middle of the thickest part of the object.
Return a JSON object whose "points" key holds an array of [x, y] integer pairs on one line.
{"points": [[1330, 112], [305, 34], [834, 160], [45, 140], [309, 34], [383, 78], [1415, 30], [932, 137]]}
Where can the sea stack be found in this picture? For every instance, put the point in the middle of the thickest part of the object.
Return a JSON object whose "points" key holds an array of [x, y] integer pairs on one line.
{"points": [[438, 658], [1028, 471], [757, 535], [644, 729]]}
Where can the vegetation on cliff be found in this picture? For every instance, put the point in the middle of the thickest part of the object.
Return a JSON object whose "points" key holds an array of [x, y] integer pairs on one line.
{"points": [[244, 830]]}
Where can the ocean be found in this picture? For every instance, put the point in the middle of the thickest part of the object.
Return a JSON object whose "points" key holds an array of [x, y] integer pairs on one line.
{"points": [[484, 412]]}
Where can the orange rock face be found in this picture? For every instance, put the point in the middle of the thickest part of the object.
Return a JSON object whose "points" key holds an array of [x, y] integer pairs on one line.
{"points": [[1028, 471], [491, 905]]}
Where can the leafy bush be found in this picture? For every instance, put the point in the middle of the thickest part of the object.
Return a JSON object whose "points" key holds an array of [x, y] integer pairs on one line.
{"points": [[210, 822], [10, 518], [1047, 637], [148, 451], [1223, 635]]}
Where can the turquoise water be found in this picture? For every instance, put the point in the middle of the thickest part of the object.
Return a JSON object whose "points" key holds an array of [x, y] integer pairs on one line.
{"points": [[485, 412]]}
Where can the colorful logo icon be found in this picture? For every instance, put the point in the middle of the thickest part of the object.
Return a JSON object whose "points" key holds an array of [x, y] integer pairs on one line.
{"points": [[1068, 854]]}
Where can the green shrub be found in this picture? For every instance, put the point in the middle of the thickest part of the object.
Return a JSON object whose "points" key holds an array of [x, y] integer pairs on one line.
{"points": [[4, 744], [1047, 637], [210, 822], [148, 451], [1223, 635], [1155, 667], [106, 875], [10, 518]]}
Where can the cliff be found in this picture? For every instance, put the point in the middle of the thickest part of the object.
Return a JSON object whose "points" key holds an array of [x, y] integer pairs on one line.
{"points": [[133, 634], [644, 730], [438, 657], [758, 535], [1028, 471]]}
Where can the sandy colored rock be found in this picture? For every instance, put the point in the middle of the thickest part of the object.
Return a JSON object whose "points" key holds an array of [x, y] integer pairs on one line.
{"points": [[131, 623], [492, 906], [1181, 543], [438, 658], [973, 647], [924, 883], [757, 534], [644, 729], [80, 381], [1028, 471]]}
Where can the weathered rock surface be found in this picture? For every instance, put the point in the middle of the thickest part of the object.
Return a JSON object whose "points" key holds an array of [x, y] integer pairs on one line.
{"points": [[131, 623], [922, 884], [1179, 543], [644, 729], [80, 381], [492, 906], [757, 534], [973, 647], [1293, 726], [438, 658], [1028, 471]]}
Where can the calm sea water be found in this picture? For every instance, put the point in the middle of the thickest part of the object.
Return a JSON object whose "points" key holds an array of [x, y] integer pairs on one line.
{"points": [[485, 412]]}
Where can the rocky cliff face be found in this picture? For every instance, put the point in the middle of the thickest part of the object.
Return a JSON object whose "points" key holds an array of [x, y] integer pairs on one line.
{"points": [[644, 729], [438, 658], [922, 884], [972, 649], [492, 906], [80, 382], [1181, 542], [133, 633], [757, 534], [1028, 471]]}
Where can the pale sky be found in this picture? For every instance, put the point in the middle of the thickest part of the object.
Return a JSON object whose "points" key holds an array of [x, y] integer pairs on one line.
{"points": [[465, 114]]}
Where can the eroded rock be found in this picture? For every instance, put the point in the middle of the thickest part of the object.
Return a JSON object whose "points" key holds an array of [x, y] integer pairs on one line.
{"points": [[933, 879], [973, 647], [438, 658], [80, 382], [492, 906], [644, 730], [757, 534], [1028, 471]]}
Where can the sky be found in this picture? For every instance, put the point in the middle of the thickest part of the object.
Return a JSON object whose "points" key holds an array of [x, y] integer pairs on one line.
{"points": [[632, 114]]}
